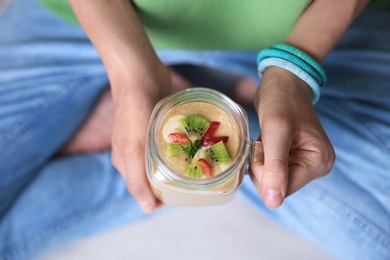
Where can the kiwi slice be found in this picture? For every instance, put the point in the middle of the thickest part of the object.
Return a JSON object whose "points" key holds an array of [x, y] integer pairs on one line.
{"points": [[195, 125], [217, 153], [174, 149], [194, 171]]}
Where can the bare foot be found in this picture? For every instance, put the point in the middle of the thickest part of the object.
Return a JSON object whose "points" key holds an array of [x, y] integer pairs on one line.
{"points": [[95, 134]]}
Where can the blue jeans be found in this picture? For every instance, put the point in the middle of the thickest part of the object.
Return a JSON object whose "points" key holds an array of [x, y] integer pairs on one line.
{"points": [[51, 77]]}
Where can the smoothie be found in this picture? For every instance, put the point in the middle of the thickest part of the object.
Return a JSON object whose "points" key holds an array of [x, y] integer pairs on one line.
{"points": [[198, 140]]}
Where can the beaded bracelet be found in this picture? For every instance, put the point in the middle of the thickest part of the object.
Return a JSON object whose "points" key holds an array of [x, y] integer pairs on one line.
{"points": [[299, 72], [277, 53], [304, 56]]}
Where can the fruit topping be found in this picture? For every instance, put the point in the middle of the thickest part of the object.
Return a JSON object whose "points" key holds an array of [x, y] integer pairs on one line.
{"points": [[206, 167], [194, 138], [194, 171], [192, 148], [214, 140], [195, 125], [217, 153], [174, 149], [209, 139], [179, 138]]}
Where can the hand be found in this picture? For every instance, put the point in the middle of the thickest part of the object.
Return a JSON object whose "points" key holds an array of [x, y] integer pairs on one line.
{"points": [[132, 112], [296, 148], [138, 80]]}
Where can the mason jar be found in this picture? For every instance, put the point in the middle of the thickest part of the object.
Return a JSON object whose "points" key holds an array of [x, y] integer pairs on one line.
{"points": [[174, 188]]}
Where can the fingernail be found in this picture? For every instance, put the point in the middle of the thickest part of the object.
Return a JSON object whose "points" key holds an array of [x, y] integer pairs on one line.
{"points": [[146, 206], [273, 198]]}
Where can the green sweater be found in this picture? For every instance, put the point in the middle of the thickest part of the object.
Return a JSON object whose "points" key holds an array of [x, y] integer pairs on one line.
{"points": [[210, 24]]}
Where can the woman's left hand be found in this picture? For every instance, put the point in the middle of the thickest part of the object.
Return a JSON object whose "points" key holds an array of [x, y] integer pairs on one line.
{"points": [[296, 148]]}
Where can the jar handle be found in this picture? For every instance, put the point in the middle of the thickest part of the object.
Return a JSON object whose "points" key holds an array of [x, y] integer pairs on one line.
{"points": [[257, 151]]}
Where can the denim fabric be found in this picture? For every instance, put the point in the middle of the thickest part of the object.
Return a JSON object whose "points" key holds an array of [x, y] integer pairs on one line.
{"points": [[51, 77], [348, 212]]}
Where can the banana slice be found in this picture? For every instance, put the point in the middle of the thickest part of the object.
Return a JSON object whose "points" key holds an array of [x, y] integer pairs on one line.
{"points": [[173, 126]]}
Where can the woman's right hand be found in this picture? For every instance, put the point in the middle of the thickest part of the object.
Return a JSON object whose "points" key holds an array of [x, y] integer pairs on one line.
{"points": [[138, 80], [132, 114], [128, 146]]}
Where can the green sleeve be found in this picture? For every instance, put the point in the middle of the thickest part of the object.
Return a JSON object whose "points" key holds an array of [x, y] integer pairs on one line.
{"points": [[212, 24], [61, 8]]}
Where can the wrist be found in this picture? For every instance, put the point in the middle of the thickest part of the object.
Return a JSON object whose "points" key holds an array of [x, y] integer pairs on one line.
{"points": [[289, 83], [282, 83], [151, 82]]}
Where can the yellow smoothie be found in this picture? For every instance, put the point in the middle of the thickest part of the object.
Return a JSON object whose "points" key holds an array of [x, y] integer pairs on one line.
{"points": [[172, 124]]}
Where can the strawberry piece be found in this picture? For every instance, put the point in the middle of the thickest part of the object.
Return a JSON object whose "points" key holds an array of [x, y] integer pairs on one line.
{"points": [[208, 137], [210, 131], [214, 140], [179, 138], [205, 166]]}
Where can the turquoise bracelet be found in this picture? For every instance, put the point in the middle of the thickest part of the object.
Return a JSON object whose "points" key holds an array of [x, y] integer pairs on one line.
{"points": [[276, 53], [299, 72], [304, 56]]}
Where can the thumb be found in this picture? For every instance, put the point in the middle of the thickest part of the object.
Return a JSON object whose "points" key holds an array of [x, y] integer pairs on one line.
{"points": [[277, 143]]}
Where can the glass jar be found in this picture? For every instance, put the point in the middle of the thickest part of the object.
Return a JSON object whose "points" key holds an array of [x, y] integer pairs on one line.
{"points": [[174, 188]]}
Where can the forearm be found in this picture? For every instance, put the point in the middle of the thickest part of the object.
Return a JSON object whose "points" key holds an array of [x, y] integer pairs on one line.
{"points": [[322, 24], [318, 30], [116, 32]]}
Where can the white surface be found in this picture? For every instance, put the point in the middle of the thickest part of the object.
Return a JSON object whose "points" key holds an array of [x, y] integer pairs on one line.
{"points": [[232, 231]]}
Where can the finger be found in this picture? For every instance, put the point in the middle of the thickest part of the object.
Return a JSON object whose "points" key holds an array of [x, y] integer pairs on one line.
{"points": [[256, 173], [299, 177], [117, 161], [130, 165], [137, 182], [277, 143], [303, 170]]}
